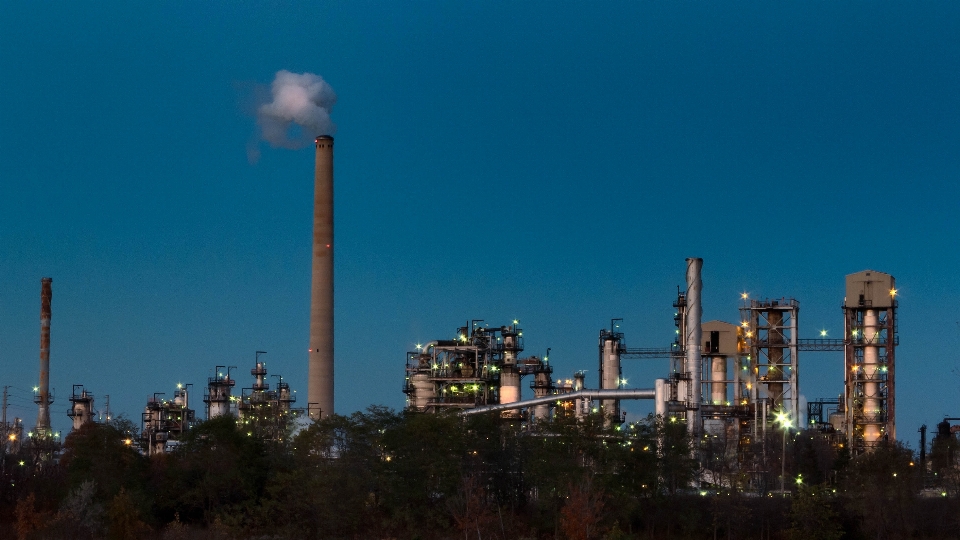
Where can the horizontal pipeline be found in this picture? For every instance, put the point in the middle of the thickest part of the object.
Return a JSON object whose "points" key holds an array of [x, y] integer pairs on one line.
{"points": [[580, 394]]}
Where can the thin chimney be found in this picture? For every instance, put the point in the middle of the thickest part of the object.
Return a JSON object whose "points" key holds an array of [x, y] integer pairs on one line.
{"points": [[320, 376], [43, 391]]}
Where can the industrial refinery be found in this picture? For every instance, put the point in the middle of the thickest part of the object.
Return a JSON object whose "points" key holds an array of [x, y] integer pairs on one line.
{"points": [[738, 381]]}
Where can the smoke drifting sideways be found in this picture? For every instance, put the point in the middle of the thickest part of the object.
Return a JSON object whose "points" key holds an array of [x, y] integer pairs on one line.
{"points": [[298, 111]]}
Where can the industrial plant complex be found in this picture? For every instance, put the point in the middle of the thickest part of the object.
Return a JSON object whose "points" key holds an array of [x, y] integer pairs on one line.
{"points": [[736, 381]]}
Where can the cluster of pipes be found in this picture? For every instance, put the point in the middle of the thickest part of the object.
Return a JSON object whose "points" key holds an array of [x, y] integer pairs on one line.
{"points": [[762, 351]]}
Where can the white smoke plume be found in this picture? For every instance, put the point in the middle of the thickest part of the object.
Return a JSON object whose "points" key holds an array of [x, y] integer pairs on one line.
{"points": [[298, 112]]}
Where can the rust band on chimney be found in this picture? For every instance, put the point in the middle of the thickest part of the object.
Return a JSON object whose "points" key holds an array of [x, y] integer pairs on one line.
{"points": [[320, 376], [43, 390]]}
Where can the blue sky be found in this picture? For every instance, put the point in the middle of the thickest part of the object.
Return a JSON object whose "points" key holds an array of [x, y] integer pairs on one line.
{"points": [[552, 162]]}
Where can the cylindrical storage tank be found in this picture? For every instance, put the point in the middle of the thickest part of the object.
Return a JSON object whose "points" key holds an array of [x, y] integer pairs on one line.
{"points": [[718, 374], [692, 340], [320, 368]]}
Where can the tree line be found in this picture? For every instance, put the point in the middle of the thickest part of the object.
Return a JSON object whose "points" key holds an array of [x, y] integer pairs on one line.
{"points": [[387, 474]]}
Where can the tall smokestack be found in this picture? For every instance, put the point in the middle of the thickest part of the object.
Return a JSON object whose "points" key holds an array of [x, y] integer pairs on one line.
{"points": [[692, 341], [43, 395], [320, 377]]}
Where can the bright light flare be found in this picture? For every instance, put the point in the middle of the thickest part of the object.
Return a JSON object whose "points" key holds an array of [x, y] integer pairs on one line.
{"points": [[783, 418]]}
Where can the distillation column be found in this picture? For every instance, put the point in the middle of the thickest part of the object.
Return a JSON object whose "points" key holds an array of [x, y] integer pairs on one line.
{"points": [[218, 397], [692, 337], [870, 344], [43, 395], [320, 368], [872, 398], [81, 407], [610, 374], [509, 376]]}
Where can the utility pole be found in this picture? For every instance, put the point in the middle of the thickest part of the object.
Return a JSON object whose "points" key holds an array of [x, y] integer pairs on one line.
{"points": [[3, 442], [5, 411]]}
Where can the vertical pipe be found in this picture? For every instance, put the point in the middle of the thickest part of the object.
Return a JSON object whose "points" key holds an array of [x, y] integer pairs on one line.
{"points": [[611, 373], [43, 398], [692, 346], [320, 376], [795, 366], [718, 377], [871, 377], [660, 391]]}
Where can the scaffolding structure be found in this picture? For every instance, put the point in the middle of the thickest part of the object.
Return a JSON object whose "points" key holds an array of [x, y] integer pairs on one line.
{"points": [[870, 338], [773, 374]]}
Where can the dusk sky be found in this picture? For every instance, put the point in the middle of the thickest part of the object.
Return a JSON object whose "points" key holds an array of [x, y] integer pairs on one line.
{"points": [[552, 162]]}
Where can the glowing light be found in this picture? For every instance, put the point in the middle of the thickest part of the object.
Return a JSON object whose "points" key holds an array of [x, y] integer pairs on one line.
{"points": [[13, 437], [744, 295], [783, 418], [800, 479], [179, 386], [893, 292], [823, 333], [419, 346], [745, 324], [36, 388], [516, 321]]}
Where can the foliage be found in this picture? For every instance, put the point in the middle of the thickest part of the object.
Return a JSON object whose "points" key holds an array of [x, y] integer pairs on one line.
{"points": [[812, 515], [387, 474]]}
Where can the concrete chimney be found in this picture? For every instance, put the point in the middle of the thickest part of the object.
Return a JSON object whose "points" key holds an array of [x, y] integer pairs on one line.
{"points": [[320, 376], [43, 391]]}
